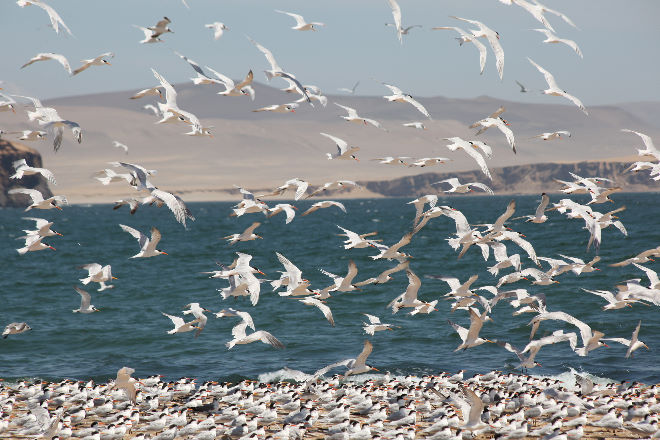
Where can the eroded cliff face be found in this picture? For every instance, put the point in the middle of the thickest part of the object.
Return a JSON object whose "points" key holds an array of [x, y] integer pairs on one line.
{"points": [[520, 179], [13, 151]]}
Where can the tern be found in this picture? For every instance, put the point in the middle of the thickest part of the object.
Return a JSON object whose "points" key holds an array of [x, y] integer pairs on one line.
{"points": [[287, 208], [97, 61], [470, 149], [390, 160], [243, 88], [472, 409], [343, 284], [343, 150], [247, 235], [299, 185], [241, 338], [501, 124], [149, 36], [301, 24], [323, 204], [470, 338], [45, 56], [399, 96], [357, 241], [97, 274], [462, 188], [43, 227], [554, 90], [465, 38], [38, 201], [170, 110], [418, 125], [374, 325], [180, 326], [311, 301], [198, 313], [614, 302], [649, 148], [354, 117], [48, 117], [523, 89], [118, 144], [32, 244], [553, 135], [151, 91], [552, 38], [537, 10], [409, 297], [86, 305], [55, 19], [147, 244], [245, 316], [358, 365], [482, 128], [15, 328], [291, 273], [633, 343], [642, 257], [337, 184], [161, 27], [351, 90], [202, 77], [218, 29], [493, 39], [23, 169], [420, 203], [30, 135], [539, 216], [396, 14], [384, 276], [590, 339], [279, 108]]}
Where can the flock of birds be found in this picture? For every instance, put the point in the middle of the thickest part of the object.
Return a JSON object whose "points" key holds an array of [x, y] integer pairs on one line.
{"points": [[246, 408]]}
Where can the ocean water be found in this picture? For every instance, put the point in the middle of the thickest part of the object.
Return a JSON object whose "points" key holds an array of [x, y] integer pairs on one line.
{"points": [[130, 330]]}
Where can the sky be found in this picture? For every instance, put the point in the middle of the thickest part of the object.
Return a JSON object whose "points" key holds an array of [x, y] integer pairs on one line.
{"points": [[619, 40]]}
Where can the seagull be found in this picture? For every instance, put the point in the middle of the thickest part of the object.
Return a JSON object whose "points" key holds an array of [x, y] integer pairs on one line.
{"points": [[553, 135], [98, 61], [632, 344], [552, 38], [462, 188], [218, 29], [324, 204], [247, 235], [241, 338], [279, 108], [55, 19], [45, 56], [298, 184], [354, 117], [554, 90], [374, 325], [147, 245], [311, 301], [85, 302], [470, 338], [38, 201], [464, 38], [15, 328], [493, 39], [399, 96], [343, 150], [523, 89], [23, 169], [470, 149], [351, 90], [117, 144], [301, 24], [501, 124]]}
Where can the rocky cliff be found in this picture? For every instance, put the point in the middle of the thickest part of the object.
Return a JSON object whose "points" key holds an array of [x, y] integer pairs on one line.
{"points": [[520, 179], [10, 152]]}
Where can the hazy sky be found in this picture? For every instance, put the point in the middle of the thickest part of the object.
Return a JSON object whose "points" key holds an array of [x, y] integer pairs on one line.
{"points": [[619, 39]]}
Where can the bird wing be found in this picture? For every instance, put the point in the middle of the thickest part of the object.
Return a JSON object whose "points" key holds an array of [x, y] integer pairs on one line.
{"points": [[141, 238], [34, 194], [55, 19], [414, 283], [547, 75], [372, 319], [479, 159], [300, 20], [575, 101], [246, 317], [393, 89], [85, 298], [301, 89], [650, 274], [633, 338], [510, 209], [294, 274], [342, 145], [396, 14], [544, 204], [251, 228], [170, 93], [364, 354], [352, 113], [476, 406], [482, 186], [176, 320], [247, 81], [338, 205], [264, 337], [475, 325], [648, 143], [268, 54], [417, 105], [228, 82], [92, 268], [155, 237], [322, 307], [512, 349], [352, 272], [238, 331], [174, 203], [193, 64]]}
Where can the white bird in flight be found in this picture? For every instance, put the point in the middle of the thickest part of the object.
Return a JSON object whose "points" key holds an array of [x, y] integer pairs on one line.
{"points": [[553, 135], [98, 274], [38, 201], [23, 169], [343, 150], [493, 39], [86, 305], [279, 108], [399, 96], [247, 235], [471, 149], [324, 204], [502, 125], [147, 244], [462, 188], [241, 338], [55, 19], [354, 117], [301, 24], [118, 144], [15, 328], [45, 56], [465, 38], [552, 38], [351, 90], [43, 227], [97, 61], [218, 29], [554, 90]]}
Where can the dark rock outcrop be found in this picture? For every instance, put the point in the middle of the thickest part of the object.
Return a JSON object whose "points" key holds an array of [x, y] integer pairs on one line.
{"points": [[9, 153], [520, 179]]}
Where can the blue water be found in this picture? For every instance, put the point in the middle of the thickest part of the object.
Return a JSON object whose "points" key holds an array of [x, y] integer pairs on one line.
{"points": [[130, 330]]}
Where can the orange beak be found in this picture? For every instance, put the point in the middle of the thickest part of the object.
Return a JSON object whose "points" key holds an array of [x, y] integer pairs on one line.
{"points": [[51, 247], [164, 253]]}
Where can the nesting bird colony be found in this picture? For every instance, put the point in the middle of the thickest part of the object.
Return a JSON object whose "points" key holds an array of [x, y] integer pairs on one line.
{"points": [[439, 407]]}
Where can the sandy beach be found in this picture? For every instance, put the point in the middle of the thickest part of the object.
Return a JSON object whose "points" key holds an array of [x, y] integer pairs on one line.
{"points": [[382, 406]]}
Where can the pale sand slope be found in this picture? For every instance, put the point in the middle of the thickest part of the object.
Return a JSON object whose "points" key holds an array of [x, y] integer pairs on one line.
{"points": [[261, 150]]}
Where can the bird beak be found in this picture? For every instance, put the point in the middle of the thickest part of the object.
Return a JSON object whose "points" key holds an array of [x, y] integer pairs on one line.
{"points": [[58, 207], [265, 274], [114, 278], [57, 233], [164, 253], [606, 345], [375, 369], [51, 247]]}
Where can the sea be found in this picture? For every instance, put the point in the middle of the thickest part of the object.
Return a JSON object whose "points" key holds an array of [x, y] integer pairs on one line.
{"points": [[130, 330]]}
